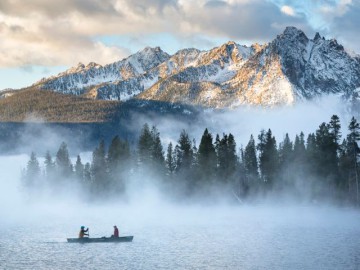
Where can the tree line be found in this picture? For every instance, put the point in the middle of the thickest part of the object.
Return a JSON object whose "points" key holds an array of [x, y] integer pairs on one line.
{"points": [[322, 166], [55, 107]]}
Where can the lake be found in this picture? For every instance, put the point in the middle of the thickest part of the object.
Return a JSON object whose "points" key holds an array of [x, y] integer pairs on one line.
{"points": [[173, 237], [167, 236]]}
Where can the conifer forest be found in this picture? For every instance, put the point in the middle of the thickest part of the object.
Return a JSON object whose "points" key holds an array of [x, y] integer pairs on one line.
{"points": [[318, 167]]}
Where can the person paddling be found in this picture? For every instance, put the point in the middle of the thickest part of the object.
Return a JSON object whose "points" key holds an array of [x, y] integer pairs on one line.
{"points": [[116, 232], [83, 232]]}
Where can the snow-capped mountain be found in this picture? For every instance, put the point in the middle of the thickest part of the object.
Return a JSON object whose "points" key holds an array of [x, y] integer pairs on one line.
{"points": [[289, 68]]}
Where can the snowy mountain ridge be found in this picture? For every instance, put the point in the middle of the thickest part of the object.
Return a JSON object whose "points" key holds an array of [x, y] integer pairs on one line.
{"points": [[292, 67]]}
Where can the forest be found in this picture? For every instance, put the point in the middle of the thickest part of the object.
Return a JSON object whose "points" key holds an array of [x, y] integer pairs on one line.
{"points": [[320, 167]]}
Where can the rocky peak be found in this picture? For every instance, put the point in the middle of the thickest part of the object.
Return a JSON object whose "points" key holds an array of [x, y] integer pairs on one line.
{"points": [[293, 34], [335, 45], [78, 68], [93, 65], [317, 37], [151, 52]]}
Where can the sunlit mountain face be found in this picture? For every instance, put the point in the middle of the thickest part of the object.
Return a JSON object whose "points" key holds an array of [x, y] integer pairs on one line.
{"points": [[290, 68]]}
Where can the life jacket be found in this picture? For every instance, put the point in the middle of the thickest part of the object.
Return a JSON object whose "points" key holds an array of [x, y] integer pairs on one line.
{"points": [[116, 232], [82, 233]]}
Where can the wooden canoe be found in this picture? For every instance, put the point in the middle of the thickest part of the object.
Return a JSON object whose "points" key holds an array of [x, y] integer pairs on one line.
{"points": [[101, 239]]}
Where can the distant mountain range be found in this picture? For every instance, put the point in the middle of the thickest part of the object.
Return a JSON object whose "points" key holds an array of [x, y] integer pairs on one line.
{"points": [[290, 68]]}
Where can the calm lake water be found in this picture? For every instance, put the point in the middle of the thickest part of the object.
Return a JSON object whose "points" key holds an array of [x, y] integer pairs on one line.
{"points": [[33, 235], [252, 237]]}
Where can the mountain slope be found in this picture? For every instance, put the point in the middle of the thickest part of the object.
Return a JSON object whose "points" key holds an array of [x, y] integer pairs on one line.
{"points": [[38, 105]]}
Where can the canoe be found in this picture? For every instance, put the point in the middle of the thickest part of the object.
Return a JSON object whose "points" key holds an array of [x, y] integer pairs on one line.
{"points": [[101, 239]]}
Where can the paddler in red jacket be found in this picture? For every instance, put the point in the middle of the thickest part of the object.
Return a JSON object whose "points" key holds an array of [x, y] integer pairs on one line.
{"points": [[116, 232]]}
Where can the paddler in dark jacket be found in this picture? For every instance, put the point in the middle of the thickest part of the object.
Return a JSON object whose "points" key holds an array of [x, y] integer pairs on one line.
{"points": [[83, 232]]}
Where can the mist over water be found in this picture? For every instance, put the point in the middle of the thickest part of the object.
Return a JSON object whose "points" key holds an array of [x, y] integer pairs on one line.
{"points": [[243, 121], [33, 232], [168, 234]]}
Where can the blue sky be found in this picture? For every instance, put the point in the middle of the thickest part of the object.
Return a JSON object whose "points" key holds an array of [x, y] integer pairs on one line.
{"points": [[40, 38]]}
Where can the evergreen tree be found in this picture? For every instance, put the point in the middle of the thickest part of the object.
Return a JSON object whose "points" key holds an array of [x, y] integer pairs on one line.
{"points": [[326, 156], [170, 160], [145, 147], [286, 157], [299, 149], [118, 160], [352, 152], [354, 129], [300, 164], [79, 169], [232, 158], [195, 151], [157, 153], [206, 159], [222, 158], [49, 167], [32, 176], [346, 166], [312, 154], [268, 158], [243, 182], [335, 129], [87, 173], [63, 162], [184, 160], [99, 170], [184, 155], [251, 164], [226, 159]]}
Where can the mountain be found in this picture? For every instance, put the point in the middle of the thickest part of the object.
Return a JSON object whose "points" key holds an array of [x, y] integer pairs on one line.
{"points": [[292, 67]]}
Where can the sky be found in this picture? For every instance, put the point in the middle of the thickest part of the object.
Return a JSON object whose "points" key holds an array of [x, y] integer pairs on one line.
{"points": [[40, 38]]}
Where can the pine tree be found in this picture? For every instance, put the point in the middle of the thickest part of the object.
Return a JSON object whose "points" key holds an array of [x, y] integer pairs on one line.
{"points": [[299, 163], [335, 129], [79, 169], [286, 169], [49, 167], [118, 160], [299, 149], [268, 158], [170, 160], [184, 161], [157, 153], [222, 159], [184, 155], [346, 166], [32, 176], [145, 147], [352, 153], [231, 157], [251, 164], [226, 159], [326, 156], [99, 170], [206, 159], [63, 162], [87, 173]]}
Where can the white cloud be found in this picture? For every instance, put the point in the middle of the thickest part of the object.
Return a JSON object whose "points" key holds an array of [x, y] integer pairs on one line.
{"points": [[288, 10], [63, 33]]}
